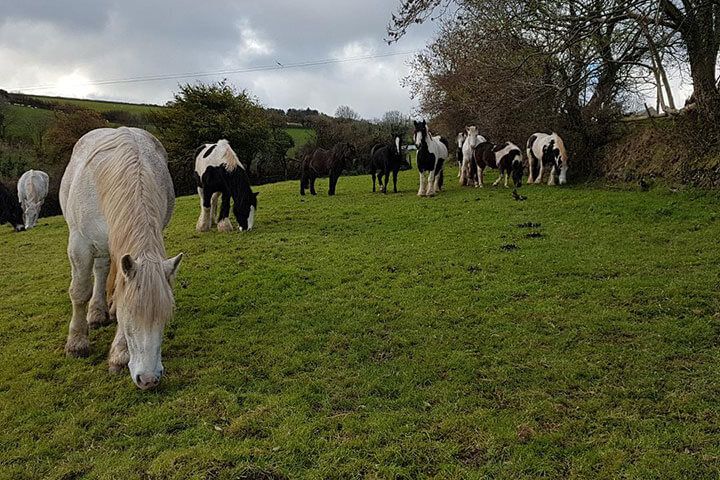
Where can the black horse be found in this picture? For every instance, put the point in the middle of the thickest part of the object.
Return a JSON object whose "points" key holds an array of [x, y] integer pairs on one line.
{"points": [[385, 159], [10, 211], [329, 163]]}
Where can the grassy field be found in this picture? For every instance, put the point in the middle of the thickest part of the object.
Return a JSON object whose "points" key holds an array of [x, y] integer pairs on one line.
{"points": [[371, 336], [26, 123], [300, 136], [101, 105]]}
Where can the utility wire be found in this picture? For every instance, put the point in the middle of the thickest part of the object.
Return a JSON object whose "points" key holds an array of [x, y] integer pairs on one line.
{"points": [[262, 68]]}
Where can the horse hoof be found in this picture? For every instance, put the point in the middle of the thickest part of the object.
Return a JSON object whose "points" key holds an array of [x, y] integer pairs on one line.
{"points": [[116, 367], [225, 226], [77, 348], [97, 318]]}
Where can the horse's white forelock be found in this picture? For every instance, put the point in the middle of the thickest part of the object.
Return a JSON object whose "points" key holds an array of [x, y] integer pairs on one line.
{"points": [[134, 208]]}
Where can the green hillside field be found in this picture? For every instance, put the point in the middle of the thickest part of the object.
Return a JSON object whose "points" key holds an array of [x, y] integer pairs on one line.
{"points": [[390, 336]]}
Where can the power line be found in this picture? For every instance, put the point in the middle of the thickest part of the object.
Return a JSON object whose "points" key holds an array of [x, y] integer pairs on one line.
{"points": [[262, 68]]}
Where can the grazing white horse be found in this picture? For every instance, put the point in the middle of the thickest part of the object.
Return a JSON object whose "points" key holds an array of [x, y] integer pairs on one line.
{"points": [[32, 189], [117, 196], [547, 149], [467, 172]]}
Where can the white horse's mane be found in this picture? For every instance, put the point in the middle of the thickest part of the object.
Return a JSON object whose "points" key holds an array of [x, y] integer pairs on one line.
{"points": [[134, 208]]}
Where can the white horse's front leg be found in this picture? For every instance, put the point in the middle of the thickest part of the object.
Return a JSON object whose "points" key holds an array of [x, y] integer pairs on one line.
{"points": [[119, 356], [213, 208], [506, 179], [430, 189], [81, 263], [98, 309], [205, 220], [421, 191], [551, 180]]}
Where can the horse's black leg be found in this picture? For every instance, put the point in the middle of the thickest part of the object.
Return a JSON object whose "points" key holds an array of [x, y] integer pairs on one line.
{"points": [[224, 224], [386, 174], [303, 181], [333, 181], [312, 185], [373, 177], [395, 172]]}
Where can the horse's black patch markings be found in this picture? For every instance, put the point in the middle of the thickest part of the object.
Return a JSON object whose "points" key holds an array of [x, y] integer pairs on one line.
{"points": [[209, 151]]}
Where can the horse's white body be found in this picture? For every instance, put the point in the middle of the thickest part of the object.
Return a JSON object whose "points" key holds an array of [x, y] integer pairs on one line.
{"points": [[32, 188], [437, 148], [117, 196], [538, 150], [472, 140]]}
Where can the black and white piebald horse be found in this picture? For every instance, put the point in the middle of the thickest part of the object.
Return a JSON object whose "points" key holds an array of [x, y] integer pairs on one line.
{"points": [[468, 170], [549, 151], [460, 140], [385, 159], [10, 211], [506, 157], [218, 172], [431, 156]]}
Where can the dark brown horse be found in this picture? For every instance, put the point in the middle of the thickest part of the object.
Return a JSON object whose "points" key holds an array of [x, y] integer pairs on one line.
{"points": [[322, 163]]}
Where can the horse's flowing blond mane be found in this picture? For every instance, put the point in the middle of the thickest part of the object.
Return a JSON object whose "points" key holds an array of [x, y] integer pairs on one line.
{"points": [[231, 159], [561, 146], [134, 207]]}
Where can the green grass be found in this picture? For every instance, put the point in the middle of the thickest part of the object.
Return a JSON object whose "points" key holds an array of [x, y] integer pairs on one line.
{"points": [[26, 123], [101, 105], [300, 136], [390, 337]]}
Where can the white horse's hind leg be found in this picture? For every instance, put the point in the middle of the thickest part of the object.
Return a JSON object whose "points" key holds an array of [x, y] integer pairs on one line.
{"points": [[119, 356], [538, 179], [506, 179], [495, 183], [81, 262], [531, 166], [421, 191], [98, 309]]}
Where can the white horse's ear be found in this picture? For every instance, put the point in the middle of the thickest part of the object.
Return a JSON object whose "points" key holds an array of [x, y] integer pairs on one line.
{"points": [[171, 267], [128, 266]]}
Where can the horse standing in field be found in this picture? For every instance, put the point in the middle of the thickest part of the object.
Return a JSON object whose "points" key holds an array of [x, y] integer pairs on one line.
{"points": [[506, 157], [547, 150], [218, 172], [431, 156], [329, 163], [385, 159], [117, 196], [10, 211], [468, 170], [460, 140], [33, 187]]}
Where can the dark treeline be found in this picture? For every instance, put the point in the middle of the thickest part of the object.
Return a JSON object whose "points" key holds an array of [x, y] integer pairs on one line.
{"points": [[516, 67]]}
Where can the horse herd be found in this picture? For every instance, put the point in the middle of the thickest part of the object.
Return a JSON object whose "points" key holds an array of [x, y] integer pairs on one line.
{"points": [[117, 196]]}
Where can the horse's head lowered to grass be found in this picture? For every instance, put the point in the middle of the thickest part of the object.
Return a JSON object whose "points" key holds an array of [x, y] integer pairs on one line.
{"points": [[10, 211]]}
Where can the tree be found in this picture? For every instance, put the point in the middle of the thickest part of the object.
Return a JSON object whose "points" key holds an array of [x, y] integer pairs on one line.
{"points": [[346, 113], [205, 113], [65, 130], [395, 123]]}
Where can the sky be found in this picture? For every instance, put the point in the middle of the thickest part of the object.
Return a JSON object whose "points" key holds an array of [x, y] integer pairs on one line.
{"points": [[68, 46]]}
